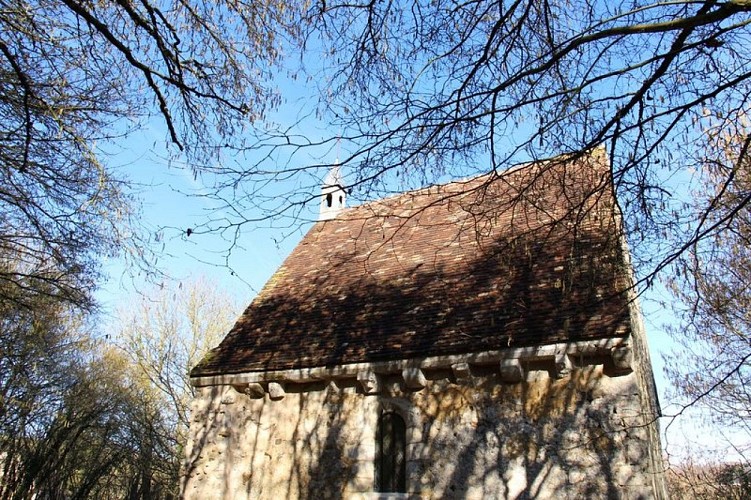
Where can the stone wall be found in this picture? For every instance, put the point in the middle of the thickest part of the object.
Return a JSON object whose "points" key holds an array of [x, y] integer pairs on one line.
{"points": [[590, 433]]}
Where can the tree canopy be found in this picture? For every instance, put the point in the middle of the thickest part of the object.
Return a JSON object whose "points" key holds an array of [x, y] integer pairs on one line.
{"points": [[414, 93], [76, 75], [712, 285]]}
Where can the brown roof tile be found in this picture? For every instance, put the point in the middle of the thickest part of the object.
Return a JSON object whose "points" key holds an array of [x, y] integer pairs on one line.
{"points": [[526, 257]]}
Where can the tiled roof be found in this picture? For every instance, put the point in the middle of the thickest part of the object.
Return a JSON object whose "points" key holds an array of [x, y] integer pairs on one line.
{"points": [[523, 258]]}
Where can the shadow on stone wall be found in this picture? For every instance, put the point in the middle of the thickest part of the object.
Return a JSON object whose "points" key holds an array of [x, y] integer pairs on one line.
{"points": [[338, 461], [544, 438]]}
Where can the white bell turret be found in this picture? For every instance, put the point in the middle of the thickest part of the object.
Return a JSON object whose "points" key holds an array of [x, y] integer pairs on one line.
{"points": [[333, 196]]}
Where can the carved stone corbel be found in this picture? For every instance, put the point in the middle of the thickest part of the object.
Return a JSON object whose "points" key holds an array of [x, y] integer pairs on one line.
{"points": [[414, 378], [563, 365], [276, 391], [254, 390], [623, 357], [369, 382], [511, 370], [461, 372]]}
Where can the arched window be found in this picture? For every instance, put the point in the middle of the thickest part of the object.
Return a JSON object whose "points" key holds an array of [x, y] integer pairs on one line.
{"points": [[391, 445]]}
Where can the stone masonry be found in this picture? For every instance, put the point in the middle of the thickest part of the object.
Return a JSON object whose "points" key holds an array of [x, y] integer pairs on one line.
{"points": [[588, 434]]}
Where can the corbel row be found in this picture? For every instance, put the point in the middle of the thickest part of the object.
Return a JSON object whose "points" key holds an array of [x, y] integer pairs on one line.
{"points": [[512, 370]]}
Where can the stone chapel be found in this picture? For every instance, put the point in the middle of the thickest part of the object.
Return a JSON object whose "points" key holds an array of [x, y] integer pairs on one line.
{"points": [[477, 339]]}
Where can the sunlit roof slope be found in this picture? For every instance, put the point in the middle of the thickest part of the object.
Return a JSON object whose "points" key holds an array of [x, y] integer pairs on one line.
{"points": [[527, 257]]}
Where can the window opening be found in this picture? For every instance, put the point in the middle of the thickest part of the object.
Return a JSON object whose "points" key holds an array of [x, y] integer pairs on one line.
{"points": [[391, 443], [329, 199]]}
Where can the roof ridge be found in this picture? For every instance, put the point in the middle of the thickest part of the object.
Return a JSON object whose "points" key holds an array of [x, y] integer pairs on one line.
{"points": [[563, 157]]}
